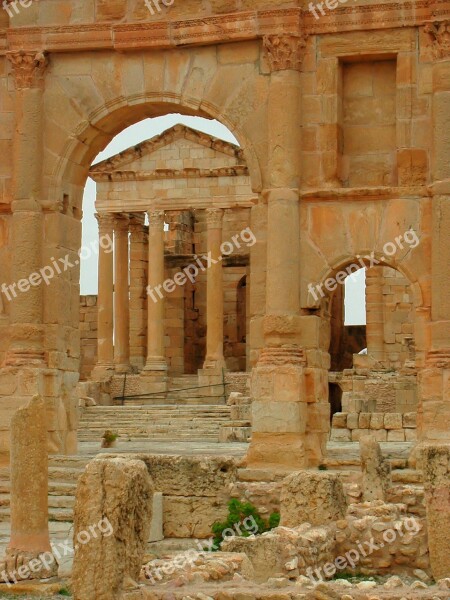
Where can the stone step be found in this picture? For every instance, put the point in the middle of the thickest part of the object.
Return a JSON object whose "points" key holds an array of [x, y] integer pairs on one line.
{"points": [[64, 475], [406, 476], [61, 502]]}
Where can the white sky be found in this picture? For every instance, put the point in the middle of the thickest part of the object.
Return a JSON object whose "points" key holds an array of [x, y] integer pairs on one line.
{"points": [[354, 289]]}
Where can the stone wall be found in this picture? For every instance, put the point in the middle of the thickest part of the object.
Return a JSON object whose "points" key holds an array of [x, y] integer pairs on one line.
{"points": [[88, 335], [386, 427]]}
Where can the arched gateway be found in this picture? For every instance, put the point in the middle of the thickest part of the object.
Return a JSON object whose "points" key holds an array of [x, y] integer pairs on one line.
{"points": [[346, 152]]}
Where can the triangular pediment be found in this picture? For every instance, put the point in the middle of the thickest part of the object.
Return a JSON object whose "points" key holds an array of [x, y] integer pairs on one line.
{"points": [[175, 148]]}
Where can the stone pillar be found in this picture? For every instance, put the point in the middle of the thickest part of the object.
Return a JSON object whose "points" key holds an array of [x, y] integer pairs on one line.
{"points": [[279, 386], [436, 479], [138, 284], [29, 496], [105, 352], [434, 377], [121, 295], [214, 292], [156, 356], [375, 313], [26, 317]]}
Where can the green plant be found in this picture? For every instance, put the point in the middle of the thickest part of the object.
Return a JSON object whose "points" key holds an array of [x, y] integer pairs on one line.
{"points": [[243, 520], [322, 467], [110, 436], [64, 592]]}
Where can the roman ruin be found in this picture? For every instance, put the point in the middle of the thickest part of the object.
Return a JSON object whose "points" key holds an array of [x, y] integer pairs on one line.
{"points": [[208, 425]]}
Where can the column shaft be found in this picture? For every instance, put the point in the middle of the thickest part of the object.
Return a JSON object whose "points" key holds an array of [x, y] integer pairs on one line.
{"points": [[105, 303], [138, 284], [156, 360], [121, 296], [214, 292]]}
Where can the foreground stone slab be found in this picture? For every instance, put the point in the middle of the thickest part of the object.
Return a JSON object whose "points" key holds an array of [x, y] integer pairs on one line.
{"points": [[314, 497], [436, 472], [112, 519], [29, 555]]}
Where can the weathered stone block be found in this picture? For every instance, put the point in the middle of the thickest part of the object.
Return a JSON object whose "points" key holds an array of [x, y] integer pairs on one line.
{"points": [[112, 518], [314, 497]]}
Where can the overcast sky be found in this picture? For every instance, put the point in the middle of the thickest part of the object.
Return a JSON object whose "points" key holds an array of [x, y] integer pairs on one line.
{"points": [[354, 292]]}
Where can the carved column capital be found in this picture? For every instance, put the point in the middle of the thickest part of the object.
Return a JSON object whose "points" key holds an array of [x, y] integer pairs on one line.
{"points": [[137, 223], [285, 52], [105, 222], [156, 219], [439, 32], [214, 217], [121, 223], [28, 68]]}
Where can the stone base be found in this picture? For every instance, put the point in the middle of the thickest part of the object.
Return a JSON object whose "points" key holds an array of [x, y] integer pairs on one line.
{"points": [[19, 565], [102, 372], [277, 450], [212, 383]]}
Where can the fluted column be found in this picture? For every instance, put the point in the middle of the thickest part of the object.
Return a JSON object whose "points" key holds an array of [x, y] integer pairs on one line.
{"points": [[121, 295], [156, 360], [26, 317], [105, 303], [214, 292]]}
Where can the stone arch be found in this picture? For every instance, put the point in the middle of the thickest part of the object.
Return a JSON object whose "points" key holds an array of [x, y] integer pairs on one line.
{"points": [[89, 138]]}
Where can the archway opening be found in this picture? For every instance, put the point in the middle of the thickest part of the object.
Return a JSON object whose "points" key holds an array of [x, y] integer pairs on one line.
{"points": [[177, 164]]}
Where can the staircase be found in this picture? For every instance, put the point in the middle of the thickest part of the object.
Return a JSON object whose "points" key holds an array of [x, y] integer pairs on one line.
{"points": [[163, 422], [63, 473]]}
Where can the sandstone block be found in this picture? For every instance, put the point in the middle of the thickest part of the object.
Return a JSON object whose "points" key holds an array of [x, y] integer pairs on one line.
{"points": [[112, 518], [393, 421], [313, 497], [339, 421], [377, 421]]}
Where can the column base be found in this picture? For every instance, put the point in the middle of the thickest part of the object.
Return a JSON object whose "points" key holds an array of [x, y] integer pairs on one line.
{"points": [[216, 364], [122, 369], [157, 364], [211, 384], [14, 559], [272, 450]]}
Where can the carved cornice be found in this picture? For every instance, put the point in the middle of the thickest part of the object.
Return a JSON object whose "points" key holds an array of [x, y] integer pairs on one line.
{"points": [[28, 68], [284, 52], [219, 29], [156, 219], [439, 31], [189, 173], [214, 217]]}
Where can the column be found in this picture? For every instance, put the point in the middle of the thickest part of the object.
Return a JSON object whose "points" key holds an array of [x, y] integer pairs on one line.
{"points": [[156, 358], [290, 396], [29, 495], [375, 313], [121, 295], [105, 304], [27, 330], [214, 292], [434, 376], [138, 284]]}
